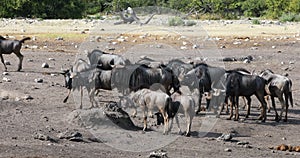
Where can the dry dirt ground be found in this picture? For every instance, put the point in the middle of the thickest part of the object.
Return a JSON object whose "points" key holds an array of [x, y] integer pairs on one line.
{"points": [[26, 121]]}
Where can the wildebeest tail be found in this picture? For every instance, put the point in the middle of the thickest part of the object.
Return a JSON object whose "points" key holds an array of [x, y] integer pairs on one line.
{"points": [[24, 39]]}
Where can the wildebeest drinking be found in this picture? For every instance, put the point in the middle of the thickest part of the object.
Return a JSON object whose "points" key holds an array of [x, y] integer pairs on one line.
{"points": [[12, 46]]}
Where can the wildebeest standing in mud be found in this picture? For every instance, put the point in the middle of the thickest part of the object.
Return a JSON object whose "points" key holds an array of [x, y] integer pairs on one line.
{"points": [[238, 84], [12, 46], [278, 86]]}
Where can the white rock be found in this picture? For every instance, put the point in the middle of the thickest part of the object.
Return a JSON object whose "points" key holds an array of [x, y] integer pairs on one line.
{"points": [[7, 62], [30, 60], [184, 43], [195, 46], [38, 80], [6, 79], [183, 47], [237, 42], [51, 59], [273, 47], [5, 73], [45, 65]]}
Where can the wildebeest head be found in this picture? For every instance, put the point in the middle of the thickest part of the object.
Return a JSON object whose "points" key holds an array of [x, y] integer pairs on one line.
{"points": [[169, 74], [68, 78]]}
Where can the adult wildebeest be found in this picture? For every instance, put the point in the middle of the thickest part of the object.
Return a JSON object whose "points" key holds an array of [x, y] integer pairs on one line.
{"points": [[12, 46], [81, 75], [278, 86], [136, 77], [149, 100], [179, 67], [202, 77], [239, 84], [106, 61]]}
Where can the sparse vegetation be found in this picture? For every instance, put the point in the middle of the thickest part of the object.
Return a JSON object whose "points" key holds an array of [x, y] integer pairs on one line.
{"points": [[255, 22], [175, 21], [290, 18]]}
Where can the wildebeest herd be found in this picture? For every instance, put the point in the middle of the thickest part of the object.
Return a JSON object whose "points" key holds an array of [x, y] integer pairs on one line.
{"points": [[160, 88]]}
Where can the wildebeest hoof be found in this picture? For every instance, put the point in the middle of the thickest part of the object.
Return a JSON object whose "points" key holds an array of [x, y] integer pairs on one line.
{"points": [[236, 119], [143, 132], [229, 118], [187, 134]]}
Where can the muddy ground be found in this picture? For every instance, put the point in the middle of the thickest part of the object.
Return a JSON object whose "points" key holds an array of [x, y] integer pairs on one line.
{"points": [[33, 116]]}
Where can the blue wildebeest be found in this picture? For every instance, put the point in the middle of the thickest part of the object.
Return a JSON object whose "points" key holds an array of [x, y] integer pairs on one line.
{"points": [[202, 77], [281, 87], [149, 101], [136, 77], [12, 46], [81, 75], [179, 67], [239, 84], [184, 104], [106, 61]]}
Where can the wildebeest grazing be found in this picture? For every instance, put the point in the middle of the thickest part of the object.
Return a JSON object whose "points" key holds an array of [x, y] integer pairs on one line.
{"points": [[148, 101], [281, 87], [12, 46], [238, 84]]}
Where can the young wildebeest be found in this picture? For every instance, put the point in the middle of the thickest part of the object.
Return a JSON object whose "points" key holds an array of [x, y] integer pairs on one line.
{"points": [[149, 100], [238, 84], [12, 46], [277, 86], [183, 104], [106, 61]]}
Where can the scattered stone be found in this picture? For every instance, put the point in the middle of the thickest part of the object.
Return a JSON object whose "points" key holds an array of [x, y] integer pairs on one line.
{"points": [[222, 47], [184, 43], [195, 46], [247, 61], [59, 38], [27, 97], [292, 62], [6, 79], [253, 48], [227, 150], [38, 80], [7, 62], [51, 59], [283, 138], [53, 75], [273, 47], [34, 47], [158, 154], [242, 143], [30, 60], [159, 46], [42, 137], [5, 73], [45, 65], [183, 47], [225, 137], [237, 42]]}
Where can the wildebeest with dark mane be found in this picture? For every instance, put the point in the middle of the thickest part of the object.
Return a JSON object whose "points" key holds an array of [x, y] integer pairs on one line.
{"points": [[281, 87], [202, 77], [105, 60], [137, 77], [239, 84], [12, 46], [179, 67]]}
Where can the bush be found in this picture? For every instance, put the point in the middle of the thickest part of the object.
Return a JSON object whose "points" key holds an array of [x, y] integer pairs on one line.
{"points": [[190, 23], [289, 17], [255, 22], [176, 21]]}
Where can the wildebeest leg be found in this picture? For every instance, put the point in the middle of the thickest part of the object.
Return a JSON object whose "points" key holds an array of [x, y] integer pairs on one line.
{"points": [[207, 103], [67, 97], [81, 96], [2, 60], [263, 115], [236, 118], [286, 106], [189, 124], [166, 121], [245, 103], [248, 106], [145, 119], [267, 98], [92, 97], [231, 108], [282, 106], [20, 56], [273, 105], [178, 125], [199, 101]]}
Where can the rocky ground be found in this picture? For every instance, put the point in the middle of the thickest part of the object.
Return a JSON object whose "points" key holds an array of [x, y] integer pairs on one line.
{"points": [[36, 123]]}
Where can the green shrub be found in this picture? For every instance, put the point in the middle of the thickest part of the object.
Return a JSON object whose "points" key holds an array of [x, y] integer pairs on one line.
{"points": [[190, 23], [176, 21], [289, 17], [255, 22]]}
